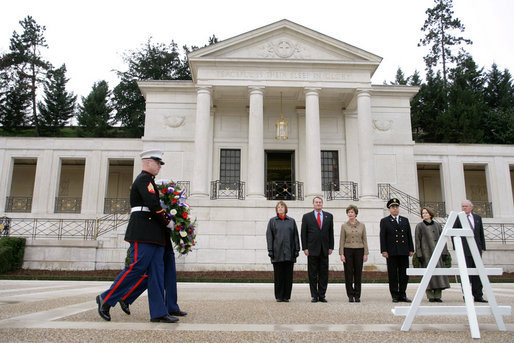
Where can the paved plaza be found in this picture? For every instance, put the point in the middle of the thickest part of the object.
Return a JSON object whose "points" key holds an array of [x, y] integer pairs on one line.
{"points": [[65, 311]]}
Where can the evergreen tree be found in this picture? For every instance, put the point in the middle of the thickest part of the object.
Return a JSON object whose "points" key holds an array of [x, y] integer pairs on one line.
{"points": [[59, 105], [151, 62], [439, 27], [25, 60], [428, 110], [400, 78], [14, 101], [498, 121], [467, 107], [415, 79], [95, 113]]}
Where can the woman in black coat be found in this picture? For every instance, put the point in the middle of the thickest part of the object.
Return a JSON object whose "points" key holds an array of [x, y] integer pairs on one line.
{"points": [[283, 249]]}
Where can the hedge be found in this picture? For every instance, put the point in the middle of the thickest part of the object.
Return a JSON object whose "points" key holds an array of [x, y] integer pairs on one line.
{"points": [[11, 253]]}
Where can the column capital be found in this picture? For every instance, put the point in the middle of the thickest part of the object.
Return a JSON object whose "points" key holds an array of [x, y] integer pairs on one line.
{"points": [[311, 90], [259, 90], [204, 89], [363, 91]]}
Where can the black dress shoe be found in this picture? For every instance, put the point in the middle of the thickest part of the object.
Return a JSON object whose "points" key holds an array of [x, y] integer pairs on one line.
{"points": [[124, 306], [323, 300], [480, 300], [164, 319], [314, 300], [438, 300], [279, 300], [357, 300], [285, 300], [350, 299], [178, 313], [431, 300], [405, 300], [103, 308], [395, 300]]}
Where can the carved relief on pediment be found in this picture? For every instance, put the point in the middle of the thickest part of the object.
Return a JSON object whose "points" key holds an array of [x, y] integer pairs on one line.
{"points": [[283, 48], [174, 121]]}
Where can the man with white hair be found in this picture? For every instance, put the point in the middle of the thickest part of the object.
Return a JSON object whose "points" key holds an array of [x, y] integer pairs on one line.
{"points": [[475, 222], [146, 235]]}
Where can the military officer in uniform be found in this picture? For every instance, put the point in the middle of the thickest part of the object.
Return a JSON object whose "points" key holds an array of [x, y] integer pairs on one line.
{"points": [[146, 235], [396, 246]]}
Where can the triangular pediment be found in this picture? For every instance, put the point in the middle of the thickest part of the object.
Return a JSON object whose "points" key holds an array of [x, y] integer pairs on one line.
{"points": [[284, 40]]}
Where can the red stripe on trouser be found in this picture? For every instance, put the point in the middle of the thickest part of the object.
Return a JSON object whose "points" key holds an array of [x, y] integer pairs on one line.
{"points": [[124, 275], [135, 286]]}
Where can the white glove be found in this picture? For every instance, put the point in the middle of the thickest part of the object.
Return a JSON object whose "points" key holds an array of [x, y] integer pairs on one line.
{"points": [[171, 224]]}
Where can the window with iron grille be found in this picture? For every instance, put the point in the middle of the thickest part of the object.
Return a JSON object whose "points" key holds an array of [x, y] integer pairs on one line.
{"points": [[230, 168], [329, 170]]}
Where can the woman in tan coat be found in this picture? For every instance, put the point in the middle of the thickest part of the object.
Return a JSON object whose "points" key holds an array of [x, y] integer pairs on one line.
{"points": [[426, 236], [353, 248]]}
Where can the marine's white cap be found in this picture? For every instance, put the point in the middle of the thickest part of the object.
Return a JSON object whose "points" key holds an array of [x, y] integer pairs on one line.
{"points": [[153, 154]]}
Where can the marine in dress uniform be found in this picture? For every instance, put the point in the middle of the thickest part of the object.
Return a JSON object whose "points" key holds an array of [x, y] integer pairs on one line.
{"points": [[396, 246], [146, 235]]}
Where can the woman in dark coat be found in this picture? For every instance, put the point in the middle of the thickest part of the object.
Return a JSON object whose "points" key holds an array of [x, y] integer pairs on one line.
{"points": [[426, 236], [283, 249]]}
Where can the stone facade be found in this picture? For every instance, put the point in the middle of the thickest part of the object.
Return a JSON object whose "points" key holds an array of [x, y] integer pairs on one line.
{"points": [[240, 87]]}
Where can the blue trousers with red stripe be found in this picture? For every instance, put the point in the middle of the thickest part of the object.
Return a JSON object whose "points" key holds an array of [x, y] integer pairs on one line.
{"points": [[147, 259], [170, 284]]}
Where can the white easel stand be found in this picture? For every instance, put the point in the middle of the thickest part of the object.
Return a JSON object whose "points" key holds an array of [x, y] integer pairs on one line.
{"points": [[470, 309]]}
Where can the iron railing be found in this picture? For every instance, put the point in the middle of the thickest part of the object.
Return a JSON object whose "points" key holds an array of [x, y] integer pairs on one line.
{"points": [[493, 232], [409, 203], [483, 208], [344, 190], [227, 190], [86, 229], [116, 205], [67, 205], [18, 204], [284, 190]]}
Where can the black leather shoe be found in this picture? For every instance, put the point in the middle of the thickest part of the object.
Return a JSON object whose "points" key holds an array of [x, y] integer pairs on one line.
{"points": [[405, 300], [395, 300], [357, 300], [350, 299], [103, 308], [164, 319], [314, 300], [323, 300], [178, 313], [124, 306], [480, 300], [431, 300], [285, 300], [438, 300]]}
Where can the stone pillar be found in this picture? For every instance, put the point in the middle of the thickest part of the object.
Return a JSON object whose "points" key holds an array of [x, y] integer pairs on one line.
{"points": [[368, 185], [312, 143], [200, 182], [255, 186]]}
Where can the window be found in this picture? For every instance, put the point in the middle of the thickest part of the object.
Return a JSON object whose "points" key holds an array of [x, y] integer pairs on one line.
{"points": [[329, 170], [230, 168]]}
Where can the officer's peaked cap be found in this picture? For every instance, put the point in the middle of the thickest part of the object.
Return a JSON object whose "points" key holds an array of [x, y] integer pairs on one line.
{"points": [[153, 154], [393, 202]]}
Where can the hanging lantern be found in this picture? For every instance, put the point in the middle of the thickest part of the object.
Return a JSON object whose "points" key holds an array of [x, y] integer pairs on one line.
{"points": [[281, 124]]}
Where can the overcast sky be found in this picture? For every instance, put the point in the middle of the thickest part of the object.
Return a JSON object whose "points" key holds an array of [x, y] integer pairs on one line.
{"points": [[91, 36]]}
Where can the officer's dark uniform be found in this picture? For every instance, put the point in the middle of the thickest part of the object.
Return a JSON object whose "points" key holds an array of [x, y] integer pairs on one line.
{"points": [[396, 240], [146, 235]]}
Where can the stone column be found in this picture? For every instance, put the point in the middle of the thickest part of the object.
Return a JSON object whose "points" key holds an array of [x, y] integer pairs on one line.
{"points": [[368, 186], [200, 182], [312, 143], [255, 186]]}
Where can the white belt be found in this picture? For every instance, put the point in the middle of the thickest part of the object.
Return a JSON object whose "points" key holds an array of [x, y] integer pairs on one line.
{"points": [[139, 209]]}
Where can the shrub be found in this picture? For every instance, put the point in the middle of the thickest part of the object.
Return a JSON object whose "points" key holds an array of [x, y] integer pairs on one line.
{"points": [[12, 250]]}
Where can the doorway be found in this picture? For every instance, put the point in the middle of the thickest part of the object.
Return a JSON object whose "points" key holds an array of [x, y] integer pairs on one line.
{"points": [[280, 175]]}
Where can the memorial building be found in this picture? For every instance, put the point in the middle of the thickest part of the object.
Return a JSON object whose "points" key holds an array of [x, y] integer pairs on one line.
{"points": [[278, 113]]}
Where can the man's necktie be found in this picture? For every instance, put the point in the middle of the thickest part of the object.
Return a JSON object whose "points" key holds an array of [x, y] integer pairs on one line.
{"points": [[470, 223], [319, 221]]}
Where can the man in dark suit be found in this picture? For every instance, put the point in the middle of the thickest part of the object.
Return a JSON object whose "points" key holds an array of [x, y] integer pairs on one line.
{"points": [[317, 244], [146, 235], [396, 246], [475, 221]]}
